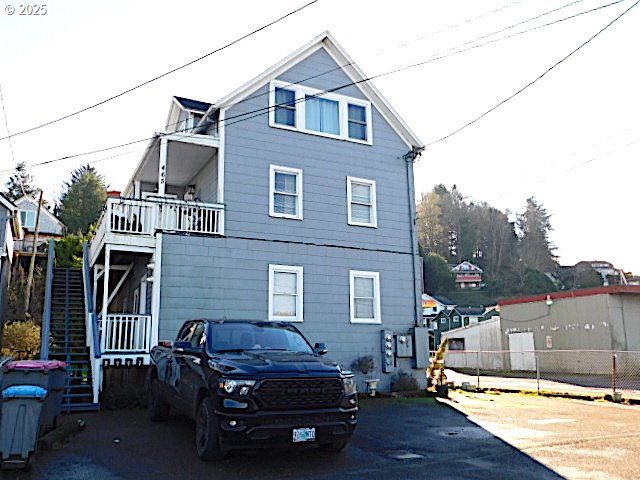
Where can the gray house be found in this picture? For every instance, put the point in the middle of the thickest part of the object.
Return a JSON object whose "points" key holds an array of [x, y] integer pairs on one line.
{"points": [[290, 199], [9, 230], [50, 228]]}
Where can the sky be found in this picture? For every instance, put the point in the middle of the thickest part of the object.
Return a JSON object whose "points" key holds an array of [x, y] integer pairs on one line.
{"points": [[571, 139]]}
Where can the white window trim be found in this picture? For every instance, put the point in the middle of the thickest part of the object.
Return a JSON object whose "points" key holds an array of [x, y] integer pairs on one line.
{"points": [[374, 211], [299, 271], [343, 107], [272, 186], [377, 319]]}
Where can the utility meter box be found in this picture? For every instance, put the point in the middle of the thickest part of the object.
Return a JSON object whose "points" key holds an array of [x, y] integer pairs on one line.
{"points": [[388, 360], [404, 345]]}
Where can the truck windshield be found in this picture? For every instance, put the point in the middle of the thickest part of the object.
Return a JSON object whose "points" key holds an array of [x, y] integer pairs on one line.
{"points": [[238, 336]]}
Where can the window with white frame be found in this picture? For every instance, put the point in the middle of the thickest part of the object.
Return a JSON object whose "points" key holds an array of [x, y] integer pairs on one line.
{"points": [[285, 192], [310, 110], [285, 293], [364, 296], [361, 198], [28, 219]]}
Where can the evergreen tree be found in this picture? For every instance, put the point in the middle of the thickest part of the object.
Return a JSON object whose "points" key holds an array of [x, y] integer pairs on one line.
{"points": [[536, 250], [20, 183], [438, 278], [82, 200]]}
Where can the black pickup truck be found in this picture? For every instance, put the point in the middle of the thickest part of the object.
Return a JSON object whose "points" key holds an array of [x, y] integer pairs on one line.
{"points": [[252, 384]]}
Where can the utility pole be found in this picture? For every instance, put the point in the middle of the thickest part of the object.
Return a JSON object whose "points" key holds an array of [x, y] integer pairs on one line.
{"points": [[27, 295]]}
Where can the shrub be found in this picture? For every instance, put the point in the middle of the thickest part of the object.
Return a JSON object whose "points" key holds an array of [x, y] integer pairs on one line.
{"points": [[363, 364], [21, 340], [404, 382]]}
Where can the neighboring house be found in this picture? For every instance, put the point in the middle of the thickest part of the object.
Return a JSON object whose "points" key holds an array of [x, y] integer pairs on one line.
{"points": [[51, 228], [277, 202], [432, 306], [9, 231], [606, 270], [467, 275]]}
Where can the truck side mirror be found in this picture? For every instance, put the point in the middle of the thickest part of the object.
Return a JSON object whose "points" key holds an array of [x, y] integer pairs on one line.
{"points": [[320, 348], [185, 348]]}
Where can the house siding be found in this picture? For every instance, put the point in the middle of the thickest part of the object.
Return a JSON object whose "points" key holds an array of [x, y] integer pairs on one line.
{"points": [[47, 224], [228, 277]]}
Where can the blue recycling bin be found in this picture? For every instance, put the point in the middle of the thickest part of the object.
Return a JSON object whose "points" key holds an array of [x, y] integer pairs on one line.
{"points": [[48, 374], [20, 424]]}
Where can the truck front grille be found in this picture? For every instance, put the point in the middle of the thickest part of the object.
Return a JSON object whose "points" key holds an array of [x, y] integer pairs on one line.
{"points": [[299, 393]]}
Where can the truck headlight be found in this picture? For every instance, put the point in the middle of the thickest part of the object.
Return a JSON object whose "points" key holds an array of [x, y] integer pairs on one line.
{"points": [[236, 387], [349, 385]]}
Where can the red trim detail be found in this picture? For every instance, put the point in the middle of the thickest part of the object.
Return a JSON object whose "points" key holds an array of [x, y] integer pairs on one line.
{"points": [[611, 290]]}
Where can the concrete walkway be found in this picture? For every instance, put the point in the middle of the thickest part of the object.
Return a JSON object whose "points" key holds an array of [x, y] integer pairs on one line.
{"points": [[531, 385]]}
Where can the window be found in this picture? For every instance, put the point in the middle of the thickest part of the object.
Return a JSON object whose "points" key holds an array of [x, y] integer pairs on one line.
{"points": [[365, 296], [361, 196], [285, 293], [310, 110], [285, 111], [357, 122], [322, 115], [28, 219], [285, 192], [456, 344], [456, 319], [443, 320]]}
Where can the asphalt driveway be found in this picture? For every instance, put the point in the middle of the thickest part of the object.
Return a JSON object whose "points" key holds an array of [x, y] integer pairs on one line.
{"points": [[395, 438]]}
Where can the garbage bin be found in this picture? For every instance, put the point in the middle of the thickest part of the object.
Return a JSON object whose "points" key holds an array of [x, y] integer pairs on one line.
{"points": [[20, 424], [48, 374]]}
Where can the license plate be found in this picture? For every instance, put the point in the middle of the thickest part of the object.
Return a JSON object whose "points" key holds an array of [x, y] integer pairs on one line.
{"points": [[304, 435]]}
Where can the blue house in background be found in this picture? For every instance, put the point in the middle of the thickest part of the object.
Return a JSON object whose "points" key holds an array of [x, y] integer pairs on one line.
{"points": [[291, 198]]}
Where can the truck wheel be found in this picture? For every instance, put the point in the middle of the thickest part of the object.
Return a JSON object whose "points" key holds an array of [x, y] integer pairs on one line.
{"points": [[334, 447], [158, 406], [207, 438]]}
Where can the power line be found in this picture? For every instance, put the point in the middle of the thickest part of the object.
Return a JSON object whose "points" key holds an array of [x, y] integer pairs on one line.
{"points": [[158, 77], [6, 124], [534, 80], [264, 110]]}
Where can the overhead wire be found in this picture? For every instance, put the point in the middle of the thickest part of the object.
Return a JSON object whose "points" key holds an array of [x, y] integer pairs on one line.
{"points": [[158, 77], [535, 80], [264, 110]]}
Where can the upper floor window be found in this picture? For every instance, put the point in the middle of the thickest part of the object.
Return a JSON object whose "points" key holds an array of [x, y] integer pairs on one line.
{"points": [[285, 192], [312, 111], [285, 293], [285, 110], [365, 296], [28, 219], [361, 198]]}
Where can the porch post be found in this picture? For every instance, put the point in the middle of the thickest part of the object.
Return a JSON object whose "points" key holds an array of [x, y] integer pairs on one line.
{"points": [[105, 297], [162, 167]]}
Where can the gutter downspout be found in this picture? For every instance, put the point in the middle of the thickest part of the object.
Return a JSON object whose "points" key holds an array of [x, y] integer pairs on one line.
{"points": [[409, 158]]}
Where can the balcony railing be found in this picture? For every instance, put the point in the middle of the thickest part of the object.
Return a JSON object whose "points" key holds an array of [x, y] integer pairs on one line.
{"points": [[143, 217], [124, 332]]}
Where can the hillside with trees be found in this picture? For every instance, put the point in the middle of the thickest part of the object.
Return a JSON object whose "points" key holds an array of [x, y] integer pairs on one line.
{"points": [[514, 251]]}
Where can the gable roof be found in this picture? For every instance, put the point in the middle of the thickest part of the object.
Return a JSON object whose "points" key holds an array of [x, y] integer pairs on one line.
{"points": [[26, 200], [190, 104], [324, 40], [8, 204], [466, 266], [443, 300]]}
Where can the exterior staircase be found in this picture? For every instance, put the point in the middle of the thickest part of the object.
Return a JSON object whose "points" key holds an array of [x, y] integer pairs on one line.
{"points": [[68, 340]]}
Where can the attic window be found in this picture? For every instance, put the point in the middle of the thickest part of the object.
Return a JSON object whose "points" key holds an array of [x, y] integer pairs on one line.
{"points": [[28, 219], [309, 110]]}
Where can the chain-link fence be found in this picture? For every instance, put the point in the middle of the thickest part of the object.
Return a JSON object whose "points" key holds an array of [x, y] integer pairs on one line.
{"points": [[590, 371]]}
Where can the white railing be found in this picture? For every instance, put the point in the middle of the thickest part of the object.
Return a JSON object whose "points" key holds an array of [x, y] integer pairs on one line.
{"points": [[124, 332], [193, 217], [143, 217]]}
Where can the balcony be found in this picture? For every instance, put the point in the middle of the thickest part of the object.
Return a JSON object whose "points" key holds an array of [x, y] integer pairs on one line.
{"points": [[132, 221]]}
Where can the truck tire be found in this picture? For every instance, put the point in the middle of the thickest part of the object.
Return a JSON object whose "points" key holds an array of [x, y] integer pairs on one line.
{"points": [[158, 406], [207, 438]]}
